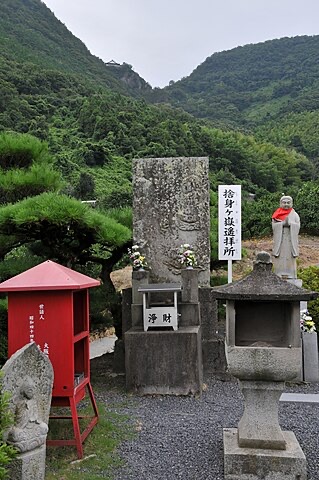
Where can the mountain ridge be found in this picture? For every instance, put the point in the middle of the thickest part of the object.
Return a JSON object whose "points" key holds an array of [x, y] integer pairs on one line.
{"points": [[39, 37], [238, 82], [95, 125]]}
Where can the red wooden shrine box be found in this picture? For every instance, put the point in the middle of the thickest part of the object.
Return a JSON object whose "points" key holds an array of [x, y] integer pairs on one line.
{"points": [[49, 305]]}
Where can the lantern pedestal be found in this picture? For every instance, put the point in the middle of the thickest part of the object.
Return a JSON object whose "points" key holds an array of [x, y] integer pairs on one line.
{"points": [[259, 426], [256, 463]]}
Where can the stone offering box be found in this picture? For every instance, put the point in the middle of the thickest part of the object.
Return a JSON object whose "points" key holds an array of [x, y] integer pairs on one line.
{"points": [[157, 313], [263, 350]]}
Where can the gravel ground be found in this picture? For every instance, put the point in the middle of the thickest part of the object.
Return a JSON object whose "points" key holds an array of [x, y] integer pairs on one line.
{"points": [[182, 437]]}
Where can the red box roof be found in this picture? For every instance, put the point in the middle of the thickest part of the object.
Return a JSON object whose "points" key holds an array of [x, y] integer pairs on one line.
{"points": [[48, 276]]}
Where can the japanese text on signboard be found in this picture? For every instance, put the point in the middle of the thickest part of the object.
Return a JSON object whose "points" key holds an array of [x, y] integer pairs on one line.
{"points": [[33, 322], [164, 318], [229, 222]]}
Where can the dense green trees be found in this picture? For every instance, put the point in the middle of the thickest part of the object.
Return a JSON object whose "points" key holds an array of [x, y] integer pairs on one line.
{"points": [[299, 131], [26, 168], [31, 33], [271, 88], [252, 83], [307, 202], [77, 105], [93, 131], [97, 133], [35, 226]]}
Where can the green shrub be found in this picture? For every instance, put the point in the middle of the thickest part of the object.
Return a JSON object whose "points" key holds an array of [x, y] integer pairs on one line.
{"points": [[216, 280], [101, 303], [7, 452], [307, 207]]}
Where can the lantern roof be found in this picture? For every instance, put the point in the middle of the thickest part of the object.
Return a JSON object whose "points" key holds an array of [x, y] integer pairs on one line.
{"points": [[263, 284], [48, 276]]}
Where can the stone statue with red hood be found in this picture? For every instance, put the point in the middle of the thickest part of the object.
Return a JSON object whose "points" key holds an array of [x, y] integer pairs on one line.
{"points": [[285, 227]]}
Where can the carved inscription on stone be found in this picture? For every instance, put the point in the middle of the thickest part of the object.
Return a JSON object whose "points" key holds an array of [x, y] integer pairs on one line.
{"points": [[171, 207]]}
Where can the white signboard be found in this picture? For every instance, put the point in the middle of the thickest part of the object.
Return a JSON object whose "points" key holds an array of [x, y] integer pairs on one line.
{"points": [[229, 222], [160, 317]]}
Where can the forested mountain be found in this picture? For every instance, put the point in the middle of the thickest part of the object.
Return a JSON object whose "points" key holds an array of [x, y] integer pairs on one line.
{"points": [[270, 90], [30, 33], [94, 130], [251, 84], [53, 88]]}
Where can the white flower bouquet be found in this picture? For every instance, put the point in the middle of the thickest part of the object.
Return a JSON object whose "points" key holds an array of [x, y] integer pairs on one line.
{"points": [[306, 322], [186, 255], [138, 260]]}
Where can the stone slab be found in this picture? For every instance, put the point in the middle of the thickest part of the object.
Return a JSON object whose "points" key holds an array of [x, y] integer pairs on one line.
{"points": [[164, 362], [190, 285], [310, 357], [209, 314], [214, 360], [170, 208], [256, 464], [300, 397]]}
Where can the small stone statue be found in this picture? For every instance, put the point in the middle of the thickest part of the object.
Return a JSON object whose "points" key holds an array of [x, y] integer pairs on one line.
{"points": [[285, 226], [28, 378], [28, 431]]}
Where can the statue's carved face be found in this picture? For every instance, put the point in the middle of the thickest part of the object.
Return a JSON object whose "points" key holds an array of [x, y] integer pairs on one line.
{"points": [[28, 389], [286, 202]]}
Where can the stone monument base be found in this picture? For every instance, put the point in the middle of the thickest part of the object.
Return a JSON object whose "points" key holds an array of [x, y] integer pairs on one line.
{"points": [[164, 362], [256, 463], [29, 465]]}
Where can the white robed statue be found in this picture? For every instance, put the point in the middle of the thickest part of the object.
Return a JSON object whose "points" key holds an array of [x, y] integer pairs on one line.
{"points": [[285, 226]]}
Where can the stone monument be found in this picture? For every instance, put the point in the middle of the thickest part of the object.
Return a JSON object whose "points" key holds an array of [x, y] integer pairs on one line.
{"points": [[28, 377], [170, 208], [285, 226], [263, 350]]}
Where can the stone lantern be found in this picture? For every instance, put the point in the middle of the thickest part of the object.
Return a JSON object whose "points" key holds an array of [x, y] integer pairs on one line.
{"points": [[263, 350]]}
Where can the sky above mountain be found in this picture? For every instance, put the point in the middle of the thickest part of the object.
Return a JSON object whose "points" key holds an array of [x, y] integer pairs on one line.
{"points": [[167, 39]]}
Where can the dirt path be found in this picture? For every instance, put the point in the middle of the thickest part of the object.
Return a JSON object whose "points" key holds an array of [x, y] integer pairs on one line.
{"points": [[308, 247]]}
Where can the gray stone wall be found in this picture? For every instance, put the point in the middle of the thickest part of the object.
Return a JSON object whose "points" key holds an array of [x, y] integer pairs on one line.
{"points": [[171, 207]]}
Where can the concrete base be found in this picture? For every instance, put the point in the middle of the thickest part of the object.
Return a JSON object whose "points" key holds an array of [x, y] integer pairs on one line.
{"points": [[29, 465], [255, 464], [164, 362]]}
